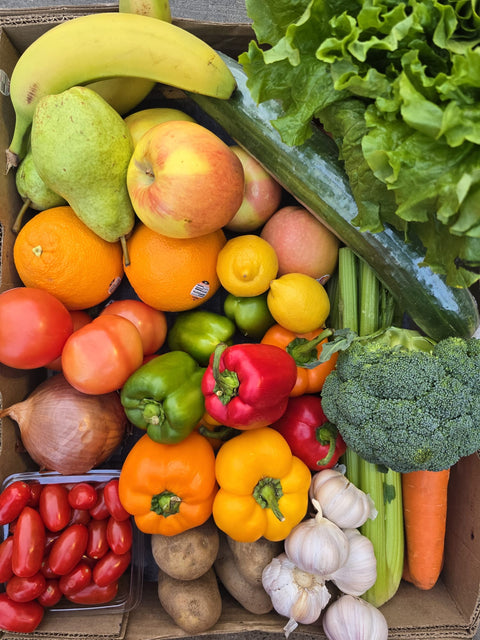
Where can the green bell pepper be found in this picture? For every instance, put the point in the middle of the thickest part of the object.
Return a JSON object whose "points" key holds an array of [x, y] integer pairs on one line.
{"points": [[198, 332], [250, 314], [164, 396]]}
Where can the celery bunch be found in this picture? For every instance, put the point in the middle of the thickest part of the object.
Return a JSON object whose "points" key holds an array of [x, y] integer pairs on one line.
{"points": [[361, 303]]}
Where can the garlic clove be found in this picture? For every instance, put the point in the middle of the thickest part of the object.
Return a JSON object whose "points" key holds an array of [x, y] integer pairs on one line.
{"points": [[351, 618], [341, 501], [359, 572]]}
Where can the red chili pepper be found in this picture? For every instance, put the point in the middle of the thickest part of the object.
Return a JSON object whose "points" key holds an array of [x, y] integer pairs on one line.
{"points": [[12, 500], [246, 386], [311, 437], [28, 543], [19, 617]]}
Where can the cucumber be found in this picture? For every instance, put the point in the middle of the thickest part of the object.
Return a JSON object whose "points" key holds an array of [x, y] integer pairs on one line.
{"points": [[314, 176]]}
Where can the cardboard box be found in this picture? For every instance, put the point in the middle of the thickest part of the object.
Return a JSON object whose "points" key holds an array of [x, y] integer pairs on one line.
{"points": [[450, 610]]}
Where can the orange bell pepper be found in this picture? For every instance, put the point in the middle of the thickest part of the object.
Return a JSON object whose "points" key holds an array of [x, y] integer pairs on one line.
{"points": [[215, 432], [169, 488], [305, 348]]}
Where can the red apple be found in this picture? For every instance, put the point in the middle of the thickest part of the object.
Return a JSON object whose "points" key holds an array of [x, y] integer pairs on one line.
{"points": [[184, 181], [302, 243], [261, 198]]}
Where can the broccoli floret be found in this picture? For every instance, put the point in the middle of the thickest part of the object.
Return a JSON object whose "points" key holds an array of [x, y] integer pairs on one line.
{"points": [[407, 409]]}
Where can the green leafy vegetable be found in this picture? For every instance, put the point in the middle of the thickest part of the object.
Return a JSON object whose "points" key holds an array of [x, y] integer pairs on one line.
{"points": [[397, 84]]}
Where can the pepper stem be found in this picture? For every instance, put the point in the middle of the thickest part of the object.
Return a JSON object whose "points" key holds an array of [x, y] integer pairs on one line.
{"points": [[226, 382], [267, 493], [304, 351], [327, 435], [165, 503]]}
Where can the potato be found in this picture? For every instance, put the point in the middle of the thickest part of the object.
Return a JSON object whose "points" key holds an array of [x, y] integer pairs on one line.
{"points": [[194, 605], [187, 555], [252, 557], [252, 597]]}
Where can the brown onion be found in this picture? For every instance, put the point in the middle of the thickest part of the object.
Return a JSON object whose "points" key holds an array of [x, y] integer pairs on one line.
{"points": [[65, 430]]}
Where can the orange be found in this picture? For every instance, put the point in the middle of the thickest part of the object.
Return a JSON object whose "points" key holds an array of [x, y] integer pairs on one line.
{"points": [[57, 252], [173, 274]]}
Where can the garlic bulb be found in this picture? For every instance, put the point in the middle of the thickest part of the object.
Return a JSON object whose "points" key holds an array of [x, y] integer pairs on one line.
{"points": [[342, 502], [317, 545], [359, 572], [295, 594], [351, 618]]}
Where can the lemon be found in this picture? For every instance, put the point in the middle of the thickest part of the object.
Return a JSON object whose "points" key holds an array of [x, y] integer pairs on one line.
{"points": [[246, 265], [298, 302]]}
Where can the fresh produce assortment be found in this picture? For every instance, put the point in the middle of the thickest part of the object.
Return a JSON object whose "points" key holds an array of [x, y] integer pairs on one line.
{"points": [[281, 384], [64, 542]]}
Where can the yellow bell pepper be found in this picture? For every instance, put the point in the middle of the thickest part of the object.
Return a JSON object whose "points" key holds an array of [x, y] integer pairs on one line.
{"points": [[263, 487]]}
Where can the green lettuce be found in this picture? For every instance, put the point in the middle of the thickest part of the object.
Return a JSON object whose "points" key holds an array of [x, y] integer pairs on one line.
{"points": [[398, 86]]}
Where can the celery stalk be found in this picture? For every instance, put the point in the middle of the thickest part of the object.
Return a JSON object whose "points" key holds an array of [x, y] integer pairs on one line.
{"points": [[361, 292]]}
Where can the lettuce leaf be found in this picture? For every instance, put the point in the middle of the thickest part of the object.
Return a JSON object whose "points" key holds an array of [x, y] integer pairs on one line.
{"points": [[398, 86]]}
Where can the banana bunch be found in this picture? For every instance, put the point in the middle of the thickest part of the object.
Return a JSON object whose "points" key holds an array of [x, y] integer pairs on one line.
{"points": [[108, 45]]}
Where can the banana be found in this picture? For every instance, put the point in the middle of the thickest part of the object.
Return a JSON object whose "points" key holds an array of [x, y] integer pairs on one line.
{"points": [[108, 45], [123, 94]]}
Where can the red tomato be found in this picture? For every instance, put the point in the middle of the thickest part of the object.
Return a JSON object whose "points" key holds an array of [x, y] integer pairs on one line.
{"points": [[100, 511], [79, 319], [112, 500], [26, 589], [151, 323], [20, 617], [109, 568], [80, 516], [93, 594], [47, 571], [51, 594], [76, 579], [68, 549], [28, 543], [35, 491], [99, 357], [34, 327], [82, 496], [119, 535], [6, 549], [12, 500], [97, 545], [54, 507]]}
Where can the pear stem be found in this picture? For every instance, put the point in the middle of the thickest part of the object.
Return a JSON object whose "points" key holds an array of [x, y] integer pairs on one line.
{"points": [[126, 256], [19, 219]]}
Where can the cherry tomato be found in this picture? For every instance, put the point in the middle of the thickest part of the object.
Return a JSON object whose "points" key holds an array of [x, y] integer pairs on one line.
{"points": [[20, 617], [51, 594], [6, 549], [82, 496], [76, 579], [93, 594], [79, 319], [54, 507], [109, 568], [26, 589], [151, 323], [50, 538], [97, 545], [46, 569], [34, 327], [28, 543], [119, 535], [112, 500], [80, 516], [68, 549], [35, 491], [12, 500], [99, 357], [100, 511]]}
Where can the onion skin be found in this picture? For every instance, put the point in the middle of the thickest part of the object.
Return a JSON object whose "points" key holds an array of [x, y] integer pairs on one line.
{"points": [[67, 431]]}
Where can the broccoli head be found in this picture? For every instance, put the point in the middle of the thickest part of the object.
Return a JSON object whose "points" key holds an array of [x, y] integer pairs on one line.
{"points": [[407, 405]]}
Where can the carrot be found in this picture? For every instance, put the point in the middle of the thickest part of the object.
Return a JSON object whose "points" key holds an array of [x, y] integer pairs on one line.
{"points": [[425, 516]]}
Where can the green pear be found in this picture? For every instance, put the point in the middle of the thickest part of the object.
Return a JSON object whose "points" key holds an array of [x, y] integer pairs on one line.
{"points": [[81, 148], [33, 190]]}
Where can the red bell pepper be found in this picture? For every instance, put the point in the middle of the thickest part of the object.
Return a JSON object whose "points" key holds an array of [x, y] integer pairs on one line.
{"points": [[246, 386], [311, 437]]}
